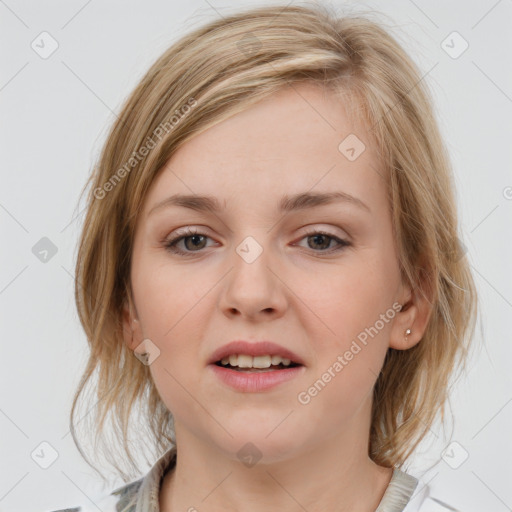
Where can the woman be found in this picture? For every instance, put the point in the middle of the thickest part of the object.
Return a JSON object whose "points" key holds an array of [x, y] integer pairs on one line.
{"points": [[270, 266]]}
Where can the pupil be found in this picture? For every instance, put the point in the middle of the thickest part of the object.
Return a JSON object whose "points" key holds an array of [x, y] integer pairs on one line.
{"points": [[193, 237], [315, 237]]}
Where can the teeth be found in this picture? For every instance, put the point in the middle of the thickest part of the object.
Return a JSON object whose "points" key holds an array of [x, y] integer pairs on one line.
{"points": [[276, 359], [261, 361], [246, 361]]}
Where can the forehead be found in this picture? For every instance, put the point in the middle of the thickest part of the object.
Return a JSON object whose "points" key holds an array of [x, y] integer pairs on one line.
{"points": [[299, 138]]}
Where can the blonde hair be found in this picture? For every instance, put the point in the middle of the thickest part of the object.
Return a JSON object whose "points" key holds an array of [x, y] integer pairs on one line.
{"points": [[223, 68]]}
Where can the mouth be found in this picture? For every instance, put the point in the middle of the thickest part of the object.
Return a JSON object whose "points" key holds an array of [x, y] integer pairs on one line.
{"points": [[255, 374], [257, 364], [258, 355]]}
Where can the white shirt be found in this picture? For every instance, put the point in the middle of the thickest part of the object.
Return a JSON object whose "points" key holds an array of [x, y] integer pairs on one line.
{"points": [[405, 493]]}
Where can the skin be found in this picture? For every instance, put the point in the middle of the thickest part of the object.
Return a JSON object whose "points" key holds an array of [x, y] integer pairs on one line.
{"points": [[314, 456]]}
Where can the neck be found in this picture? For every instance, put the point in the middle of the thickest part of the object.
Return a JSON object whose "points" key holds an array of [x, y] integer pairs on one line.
{"points": [[331, 474]]}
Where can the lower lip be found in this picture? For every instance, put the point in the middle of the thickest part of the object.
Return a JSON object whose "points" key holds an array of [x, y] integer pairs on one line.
{"points": [[253, 382]]}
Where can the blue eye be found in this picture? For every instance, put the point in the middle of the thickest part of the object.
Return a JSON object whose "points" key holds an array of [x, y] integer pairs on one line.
{"points": [[198, 241]]}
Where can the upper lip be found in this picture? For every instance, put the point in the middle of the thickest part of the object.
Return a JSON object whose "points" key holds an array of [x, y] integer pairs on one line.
{"points": [[258, 348]]}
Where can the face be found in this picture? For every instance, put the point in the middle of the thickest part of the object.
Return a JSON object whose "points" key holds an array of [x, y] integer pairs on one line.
{"points": [[321, 280]]}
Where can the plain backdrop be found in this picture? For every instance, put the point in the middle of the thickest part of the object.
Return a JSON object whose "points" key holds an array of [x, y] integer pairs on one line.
{"points": [[55, 112]]}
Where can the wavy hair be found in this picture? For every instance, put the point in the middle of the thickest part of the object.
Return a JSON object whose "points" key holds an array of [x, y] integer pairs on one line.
{"points": [[209, 75]]}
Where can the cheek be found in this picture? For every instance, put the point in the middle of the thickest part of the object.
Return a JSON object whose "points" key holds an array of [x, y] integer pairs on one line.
{"points": [[170, 307], [357, 314], [349, 298], [168, 296]]}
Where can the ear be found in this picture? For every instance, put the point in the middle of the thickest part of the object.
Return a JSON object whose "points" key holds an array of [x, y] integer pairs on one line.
{"points": [[414, 315], [131, 325]]}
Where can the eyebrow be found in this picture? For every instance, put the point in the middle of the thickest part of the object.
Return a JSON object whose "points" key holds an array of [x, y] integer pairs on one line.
{"points": [[301, 201]]}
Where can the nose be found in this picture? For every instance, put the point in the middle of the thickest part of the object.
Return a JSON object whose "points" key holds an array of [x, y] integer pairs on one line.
{"points": [[254, 289]]}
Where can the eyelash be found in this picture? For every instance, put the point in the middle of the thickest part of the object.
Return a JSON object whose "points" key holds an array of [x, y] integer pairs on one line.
{"points": [[171, 245]]}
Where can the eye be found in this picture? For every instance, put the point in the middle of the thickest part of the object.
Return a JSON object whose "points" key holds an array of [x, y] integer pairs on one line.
{"points": [[196, 238], [322, 240]]}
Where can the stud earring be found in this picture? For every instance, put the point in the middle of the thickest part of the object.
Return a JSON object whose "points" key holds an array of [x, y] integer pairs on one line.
{"points": [[407, 332]]}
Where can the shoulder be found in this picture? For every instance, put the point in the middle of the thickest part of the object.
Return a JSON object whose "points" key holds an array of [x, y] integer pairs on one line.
{"points": [[423, 501], [123, 499], [142, 492]]}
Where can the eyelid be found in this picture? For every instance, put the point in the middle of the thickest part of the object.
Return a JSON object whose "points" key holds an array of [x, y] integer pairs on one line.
{"points": [[185, 231], [315, 228]]}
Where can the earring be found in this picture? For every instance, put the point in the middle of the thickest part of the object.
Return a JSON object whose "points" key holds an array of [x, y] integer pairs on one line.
{"points": [[407, 332]]}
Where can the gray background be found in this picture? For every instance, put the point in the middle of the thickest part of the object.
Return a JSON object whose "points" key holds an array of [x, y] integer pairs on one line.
{"points": [[54, 118]]}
